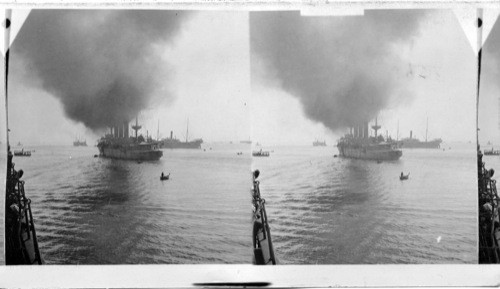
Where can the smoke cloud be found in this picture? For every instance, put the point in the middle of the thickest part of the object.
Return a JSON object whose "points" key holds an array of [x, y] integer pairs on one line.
{"points": [[104, 65], [344, 70]]}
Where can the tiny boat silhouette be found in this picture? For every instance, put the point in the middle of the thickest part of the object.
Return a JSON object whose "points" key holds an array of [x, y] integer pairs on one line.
{"points": [[403, 177], [22, 153], [260, 153], [164, 177]]}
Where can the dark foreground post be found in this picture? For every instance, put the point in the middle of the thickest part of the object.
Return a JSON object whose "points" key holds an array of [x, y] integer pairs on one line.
{"points": [[21, 244], [489, 226], [262, 243]]}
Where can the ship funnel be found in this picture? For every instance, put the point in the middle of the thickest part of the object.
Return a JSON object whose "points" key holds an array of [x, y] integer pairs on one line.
{"points": [[125, 129]]}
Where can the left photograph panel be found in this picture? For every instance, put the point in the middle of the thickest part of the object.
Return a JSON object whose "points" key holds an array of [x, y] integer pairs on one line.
{"points": [[121, 131]]}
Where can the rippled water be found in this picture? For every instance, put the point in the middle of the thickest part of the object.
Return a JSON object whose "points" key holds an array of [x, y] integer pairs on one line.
{"points": [[100, 211], [329, 210], [322, 209]]}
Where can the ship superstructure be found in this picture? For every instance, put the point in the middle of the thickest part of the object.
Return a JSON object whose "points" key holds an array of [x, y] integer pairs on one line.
{"points": [[359, 144], [119, 145]]}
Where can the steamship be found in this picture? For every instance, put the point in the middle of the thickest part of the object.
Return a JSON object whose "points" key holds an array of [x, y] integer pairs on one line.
{"points": [[317, 143], [415, 143], [119, 145], [174, 143], [359, 145], [80, 143]]}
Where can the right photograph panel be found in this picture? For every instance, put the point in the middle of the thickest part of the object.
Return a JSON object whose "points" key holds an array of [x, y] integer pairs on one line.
{"points": [[364, 134]]}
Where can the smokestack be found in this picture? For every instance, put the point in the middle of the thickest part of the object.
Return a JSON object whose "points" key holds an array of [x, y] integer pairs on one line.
{"points": [[411, 134], [171, 134], [125, 129]]}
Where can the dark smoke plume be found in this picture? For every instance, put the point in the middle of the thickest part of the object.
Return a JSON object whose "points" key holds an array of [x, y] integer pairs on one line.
{"points": [[104, 65], [343, 69]]}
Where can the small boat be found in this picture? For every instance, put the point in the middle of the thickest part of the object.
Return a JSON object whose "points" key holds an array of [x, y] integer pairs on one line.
{"points": [[491, 152], [164, 177], [403, 177], [22, 153], [260, 153]]}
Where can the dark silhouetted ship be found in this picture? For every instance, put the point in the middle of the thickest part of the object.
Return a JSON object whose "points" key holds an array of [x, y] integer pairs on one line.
{"points": [[317, 143], [174, 143], [118, 145], [414, 143], [80, 143], [359, 145]]}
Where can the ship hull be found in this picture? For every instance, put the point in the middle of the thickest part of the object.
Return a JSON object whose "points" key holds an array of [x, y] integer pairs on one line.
{"points": [[367, 154], [188, 145], [136, 155], [421, 145]]}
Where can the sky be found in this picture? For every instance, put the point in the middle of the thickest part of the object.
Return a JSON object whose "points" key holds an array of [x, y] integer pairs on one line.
{"points": [[205, 70], [199, 69], [434, 78]]}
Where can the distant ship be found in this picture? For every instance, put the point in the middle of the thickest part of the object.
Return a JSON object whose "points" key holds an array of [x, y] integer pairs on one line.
{"points": [[260, 153], [174, 143], [246, 141], [317, 143], [359, 145], [79, 143], [491, 152], [414, 143], [118, 145]]}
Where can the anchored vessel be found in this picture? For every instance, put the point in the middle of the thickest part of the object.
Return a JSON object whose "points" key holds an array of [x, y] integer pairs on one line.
{"points": [[79, 143], [118, 145], [317, 143], [262, 244], [359, 145], [415, 143], [260, 153], [491, 152], [174, 143], [22, 153]]}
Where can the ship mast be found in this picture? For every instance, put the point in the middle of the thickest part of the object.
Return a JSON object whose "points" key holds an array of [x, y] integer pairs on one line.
{"points": [[376, 127], [187, 130], [136, 127], [397, 133], [426, 129]]}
